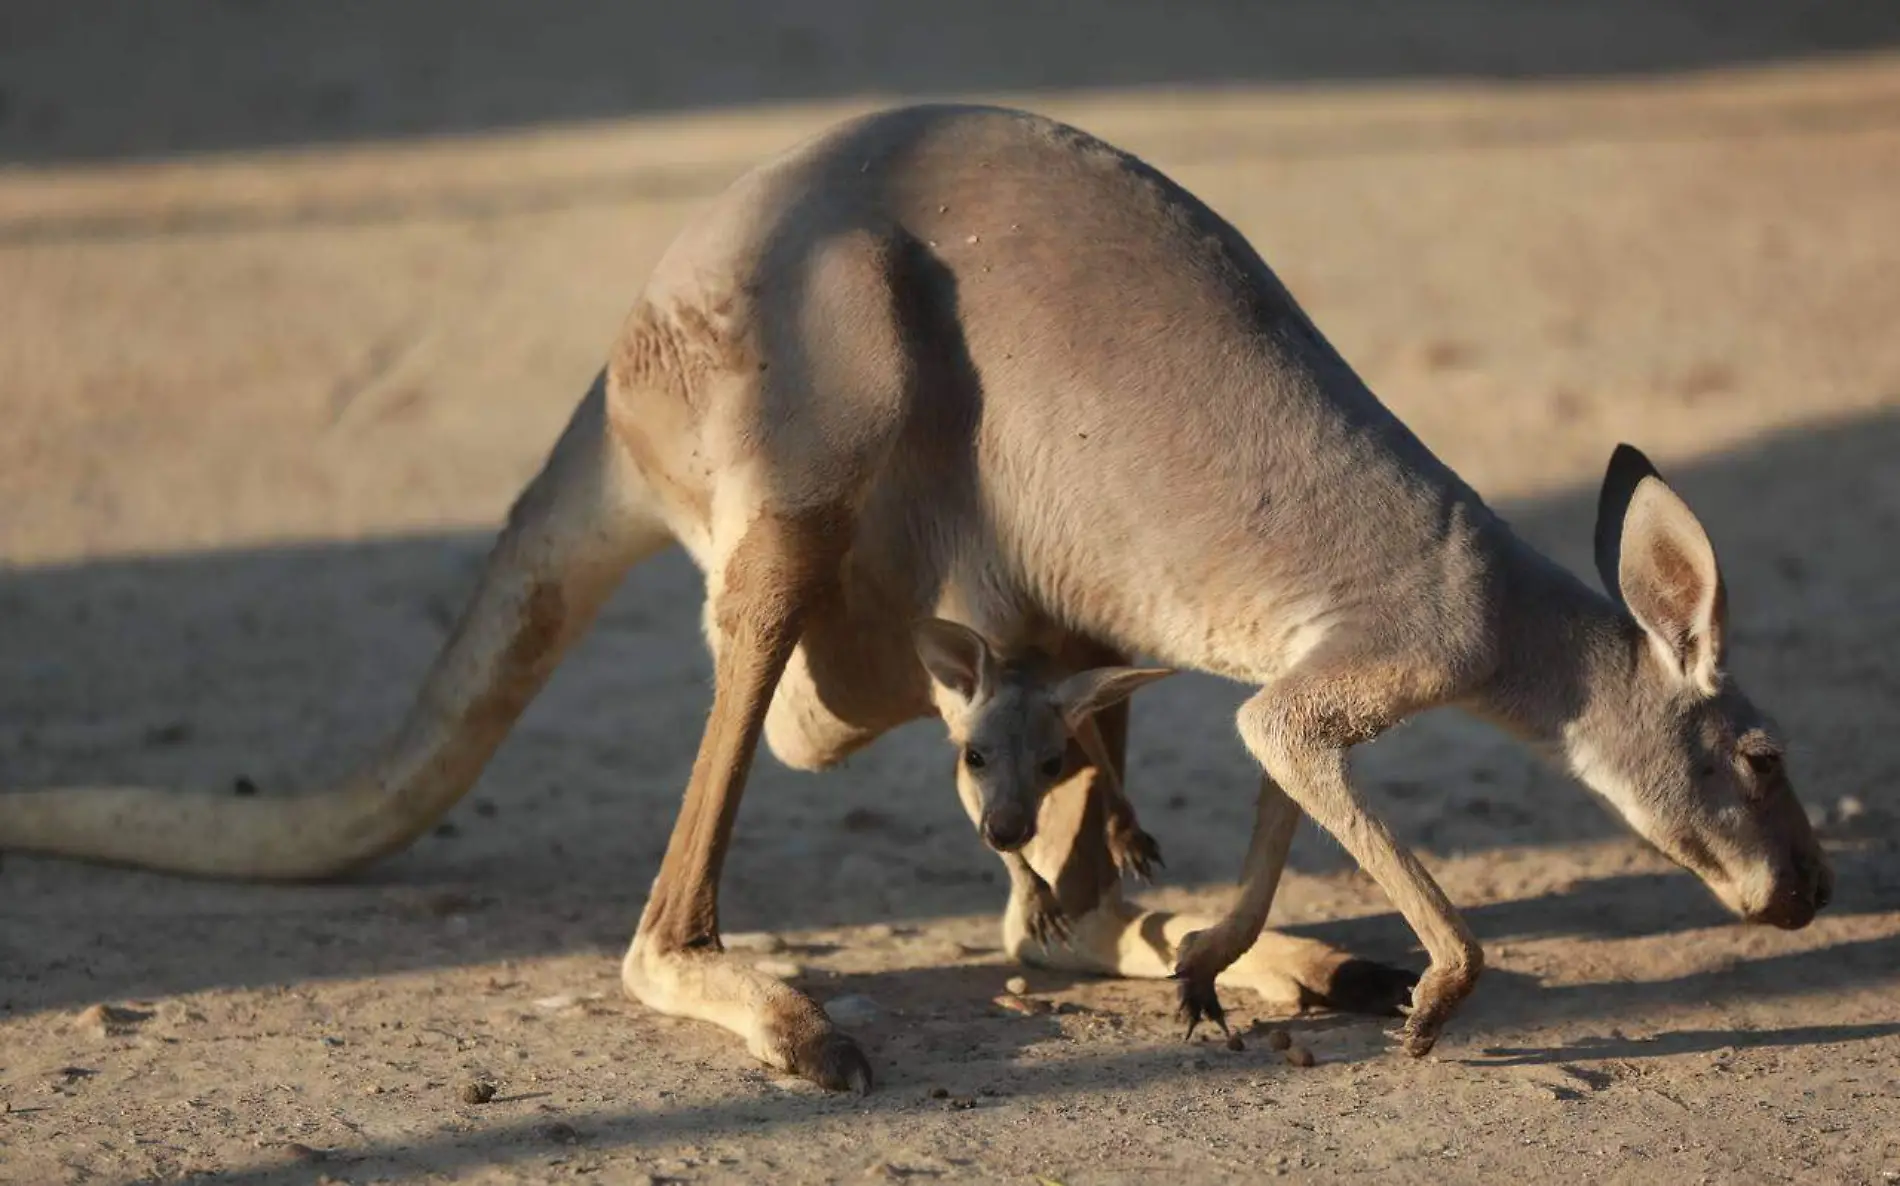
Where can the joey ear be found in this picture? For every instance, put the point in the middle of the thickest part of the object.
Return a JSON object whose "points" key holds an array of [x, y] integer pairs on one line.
{"points": [[1088, 692], [955, 655], [1655, 557]]}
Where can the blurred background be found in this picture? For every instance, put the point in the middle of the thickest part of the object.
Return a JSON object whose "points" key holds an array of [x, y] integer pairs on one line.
{"points": [[293, 298], [121, 79]]}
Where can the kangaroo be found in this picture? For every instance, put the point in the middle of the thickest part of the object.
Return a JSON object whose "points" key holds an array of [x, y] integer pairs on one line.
{"points": [[972, 363], [1631, 692], [1012, 721]]}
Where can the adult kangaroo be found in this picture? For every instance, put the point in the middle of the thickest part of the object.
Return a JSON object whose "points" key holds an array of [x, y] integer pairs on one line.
{"points": [[967, 362]]}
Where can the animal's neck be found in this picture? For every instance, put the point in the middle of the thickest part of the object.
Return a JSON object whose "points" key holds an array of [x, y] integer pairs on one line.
{"points": [[1561, 646]]}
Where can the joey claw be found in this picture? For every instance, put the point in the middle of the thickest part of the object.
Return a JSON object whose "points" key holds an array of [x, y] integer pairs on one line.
{"points": [[1135, 853], [1043, 917], [1199, 1002], [1047, 924], [1198, 999]]}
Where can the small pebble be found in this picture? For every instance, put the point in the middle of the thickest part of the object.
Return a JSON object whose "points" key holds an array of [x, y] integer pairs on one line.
{"points": [[1235, 1044], [1300, 1056], [1278, 1039], [1017, 984], [1009, 1002], [559, 1132], [477, 1092], [940, 1093]]}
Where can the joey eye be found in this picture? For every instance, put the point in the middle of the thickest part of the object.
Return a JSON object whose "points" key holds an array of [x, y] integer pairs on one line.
{"points": [[1052, 767], [974, 759]]}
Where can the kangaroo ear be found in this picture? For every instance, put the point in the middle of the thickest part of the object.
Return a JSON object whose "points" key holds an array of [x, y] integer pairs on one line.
{"points": [[954, 655], [1086, 693], [1655, 557]]}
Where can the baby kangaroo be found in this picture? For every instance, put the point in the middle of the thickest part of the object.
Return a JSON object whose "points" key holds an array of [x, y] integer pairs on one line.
{"points": [[1012, 720]]}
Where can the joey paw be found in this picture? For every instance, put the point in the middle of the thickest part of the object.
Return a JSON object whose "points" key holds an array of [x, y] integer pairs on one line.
{"points": [[1045, 922], [1135, 852]]}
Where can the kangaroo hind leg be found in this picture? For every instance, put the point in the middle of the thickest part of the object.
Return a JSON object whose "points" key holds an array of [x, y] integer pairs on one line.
{"points": [[806, 434], [675, 963]]}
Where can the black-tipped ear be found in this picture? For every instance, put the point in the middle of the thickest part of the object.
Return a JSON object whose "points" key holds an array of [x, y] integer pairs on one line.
{"points": [[1656, 558], [955, 655], [1628, 467]]}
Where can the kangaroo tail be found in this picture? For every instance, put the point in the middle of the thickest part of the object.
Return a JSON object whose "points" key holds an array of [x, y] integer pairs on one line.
{"points": [[571, 535]]}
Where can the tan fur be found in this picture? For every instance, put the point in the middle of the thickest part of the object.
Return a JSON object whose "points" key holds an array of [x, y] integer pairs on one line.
{"points": [[970, 362]]}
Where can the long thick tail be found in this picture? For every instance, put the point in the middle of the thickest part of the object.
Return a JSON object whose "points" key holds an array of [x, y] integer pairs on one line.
{"points": [[571, 535]]}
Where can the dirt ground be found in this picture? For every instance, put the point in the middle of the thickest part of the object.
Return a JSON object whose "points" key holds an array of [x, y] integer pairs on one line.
{"points": [[263, 407]]}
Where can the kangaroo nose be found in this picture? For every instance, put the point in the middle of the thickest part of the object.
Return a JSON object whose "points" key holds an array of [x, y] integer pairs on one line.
{"points": [[1789, 910], [1007, 827]]}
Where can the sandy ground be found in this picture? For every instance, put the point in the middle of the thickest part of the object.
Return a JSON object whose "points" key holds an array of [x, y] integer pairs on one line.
{"points": [[262, 410]]}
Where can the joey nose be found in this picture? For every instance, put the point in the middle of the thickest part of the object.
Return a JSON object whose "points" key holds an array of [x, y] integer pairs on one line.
{"points": [[1007, 827]]}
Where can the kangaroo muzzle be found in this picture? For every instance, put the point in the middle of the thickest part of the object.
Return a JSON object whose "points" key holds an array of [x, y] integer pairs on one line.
{"points": [[1006, 827]]}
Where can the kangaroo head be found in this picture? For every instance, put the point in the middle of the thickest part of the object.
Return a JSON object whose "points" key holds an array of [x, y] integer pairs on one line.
{"points": [[1667, 737], [1011, 723]]}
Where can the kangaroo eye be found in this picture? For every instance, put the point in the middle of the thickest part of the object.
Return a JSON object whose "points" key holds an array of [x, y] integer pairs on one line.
{"points": [[974, 759], [1052, 767]]}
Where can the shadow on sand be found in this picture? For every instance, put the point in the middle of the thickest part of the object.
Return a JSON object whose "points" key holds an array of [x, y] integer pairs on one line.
{"points": [[121, 79], [307, 654]]}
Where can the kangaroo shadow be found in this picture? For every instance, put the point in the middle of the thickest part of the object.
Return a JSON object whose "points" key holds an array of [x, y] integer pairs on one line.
{"points": [[281, 666], [120, 79]]}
